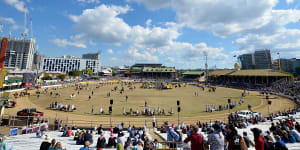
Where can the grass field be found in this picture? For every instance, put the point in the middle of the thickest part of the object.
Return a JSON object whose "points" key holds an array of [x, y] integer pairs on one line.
{"points": [[191, 105]]}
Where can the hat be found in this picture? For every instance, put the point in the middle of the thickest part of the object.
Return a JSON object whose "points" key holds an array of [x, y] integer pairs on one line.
{"points": [[112, 135], [47, 139]]}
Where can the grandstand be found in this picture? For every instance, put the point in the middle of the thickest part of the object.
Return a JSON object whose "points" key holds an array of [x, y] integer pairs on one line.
{"points": [[247, 78]]}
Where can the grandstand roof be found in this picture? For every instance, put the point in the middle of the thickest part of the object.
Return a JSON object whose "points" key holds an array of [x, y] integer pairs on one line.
{"points": [[220, 72], [193, 73], [159, 69], [252, 72]]}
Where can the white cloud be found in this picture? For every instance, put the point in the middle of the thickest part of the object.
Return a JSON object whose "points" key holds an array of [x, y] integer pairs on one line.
{"points": [[65, 43], [141, 56], [170, 59], [102, 23], [10, 22], [289, 1], [223, 17], [155, 37], [110, 51], [89, 1], [19, 5]]}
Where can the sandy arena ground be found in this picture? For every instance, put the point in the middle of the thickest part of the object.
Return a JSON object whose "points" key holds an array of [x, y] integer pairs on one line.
{"points": [[192, 107]]}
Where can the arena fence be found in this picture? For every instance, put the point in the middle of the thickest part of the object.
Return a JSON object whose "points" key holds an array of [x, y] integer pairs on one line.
{"points": [[54, 123]]}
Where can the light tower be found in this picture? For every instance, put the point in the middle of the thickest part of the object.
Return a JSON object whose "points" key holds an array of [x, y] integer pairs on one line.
{"points": [[206, 66], [25, 29]]}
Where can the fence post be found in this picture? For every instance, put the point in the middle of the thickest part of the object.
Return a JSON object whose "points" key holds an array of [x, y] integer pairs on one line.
{"points": [[8, 120]]}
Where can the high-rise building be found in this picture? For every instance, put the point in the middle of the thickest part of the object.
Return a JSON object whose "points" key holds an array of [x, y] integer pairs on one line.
{"points": [[19, 53], [263, 59], [260, 59], [247, 61], [68, 63], [90, 56]]}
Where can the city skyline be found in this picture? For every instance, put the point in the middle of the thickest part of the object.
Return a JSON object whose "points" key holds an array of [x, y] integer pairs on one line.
{"points": [[174, 33]]}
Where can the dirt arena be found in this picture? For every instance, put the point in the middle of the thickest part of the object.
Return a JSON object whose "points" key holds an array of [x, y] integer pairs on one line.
{"points": [[192, 107]]}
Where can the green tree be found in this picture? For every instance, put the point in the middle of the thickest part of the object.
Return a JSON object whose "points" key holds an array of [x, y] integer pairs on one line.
{"points": [[75, 73], [62, 77], [87, 72], [47, 78], [297, 71]]}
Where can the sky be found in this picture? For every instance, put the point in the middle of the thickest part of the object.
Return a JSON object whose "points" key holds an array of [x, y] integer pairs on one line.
{"points": [[173, 32]]}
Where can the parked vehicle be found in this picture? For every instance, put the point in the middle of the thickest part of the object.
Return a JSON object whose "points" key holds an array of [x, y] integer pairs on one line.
{"points": [[30, 112], [246, 114]]}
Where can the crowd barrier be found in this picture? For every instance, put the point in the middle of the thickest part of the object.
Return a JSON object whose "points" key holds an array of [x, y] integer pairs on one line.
{"points": [[34, 128]]}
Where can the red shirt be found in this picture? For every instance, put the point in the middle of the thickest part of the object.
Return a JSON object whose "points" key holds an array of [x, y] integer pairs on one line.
{"points": [[69, 132], [196, 140], [259, 143]]}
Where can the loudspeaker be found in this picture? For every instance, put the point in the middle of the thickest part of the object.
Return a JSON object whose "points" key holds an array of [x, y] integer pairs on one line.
{"points": [[269, 102], [178, 102], [110, 109], [267, 97], [178, 109], [111, 101], [229, 100]]}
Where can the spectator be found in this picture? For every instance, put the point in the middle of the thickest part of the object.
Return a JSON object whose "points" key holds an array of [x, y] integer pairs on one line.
{"points": [[46, 143], [86, 146], [216, 139], [101, 142], [53, 142], [172, 136], [235, 141], [268, 145], [58, 146], [111, 141], [259, 142], [3, 144], [69, 132], [279, 145], [196, 139], [247, 140]]}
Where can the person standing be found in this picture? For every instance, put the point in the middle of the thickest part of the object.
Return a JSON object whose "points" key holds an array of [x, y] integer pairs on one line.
{"points": [[3, 145], [196, 139], [45, 144], [92, 109], [153, 122], [126, 98], [101, 142], [172, 136], [216, 139], [259, 142], [235, 141]]}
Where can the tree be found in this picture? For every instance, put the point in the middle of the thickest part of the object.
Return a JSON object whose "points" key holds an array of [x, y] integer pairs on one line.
{"points": [[87, 71], [75, 73], [47, 78], [297, 71], [61, 77]]}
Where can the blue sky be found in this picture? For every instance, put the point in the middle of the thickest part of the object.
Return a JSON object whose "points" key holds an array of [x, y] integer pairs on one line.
{"points": [[172, 32]]}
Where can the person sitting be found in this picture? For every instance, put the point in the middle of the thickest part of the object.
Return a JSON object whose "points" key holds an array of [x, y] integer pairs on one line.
{"points": [[69, 132]]}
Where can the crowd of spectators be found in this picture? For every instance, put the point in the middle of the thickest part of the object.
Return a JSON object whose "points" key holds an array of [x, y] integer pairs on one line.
{"points": [[288, 88]]}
